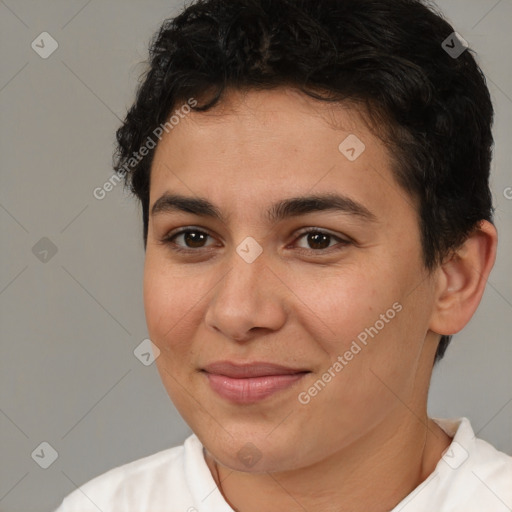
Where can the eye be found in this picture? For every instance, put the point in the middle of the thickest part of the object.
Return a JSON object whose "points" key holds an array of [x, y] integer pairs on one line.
{"points": [[319, 240], [192, 238]]}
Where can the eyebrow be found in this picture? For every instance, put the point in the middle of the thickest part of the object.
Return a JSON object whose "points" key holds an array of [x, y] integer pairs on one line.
{"points": [[286, 208]]}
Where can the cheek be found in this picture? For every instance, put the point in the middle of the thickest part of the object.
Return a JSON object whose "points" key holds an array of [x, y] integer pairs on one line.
{"points": [[360, 321], [170, 300], [339, 304]]}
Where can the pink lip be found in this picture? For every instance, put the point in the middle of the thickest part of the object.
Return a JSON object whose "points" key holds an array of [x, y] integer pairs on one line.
{"points": [[249, 383]]}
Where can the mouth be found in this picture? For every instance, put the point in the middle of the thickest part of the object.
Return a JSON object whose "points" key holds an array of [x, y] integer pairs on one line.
{"points": [[250, 383]]}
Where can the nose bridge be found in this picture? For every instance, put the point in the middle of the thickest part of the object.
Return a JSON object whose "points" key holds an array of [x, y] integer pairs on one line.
{"points": [[247, 273], [241, 300]]}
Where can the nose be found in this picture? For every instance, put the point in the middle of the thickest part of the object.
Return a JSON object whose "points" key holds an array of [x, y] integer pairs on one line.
{"points": [[248, 301]]}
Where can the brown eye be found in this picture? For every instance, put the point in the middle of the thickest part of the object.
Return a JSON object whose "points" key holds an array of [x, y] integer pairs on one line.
{"points": [[318, 241], [194, 239], [191, 239]]}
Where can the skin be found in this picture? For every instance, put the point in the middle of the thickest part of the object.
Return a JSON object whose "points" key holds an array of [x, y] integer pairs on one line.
{"points": [[365, 440]]}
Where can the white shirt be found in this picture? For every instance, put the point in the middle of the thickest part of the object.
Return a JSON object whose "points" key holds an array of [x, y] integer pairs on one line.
{"points": [[472, 476]]}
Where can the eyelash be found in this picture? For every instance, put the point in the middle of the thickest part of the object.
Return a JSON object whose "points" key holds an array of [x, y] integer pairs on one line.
{"points": [[169, 241]]}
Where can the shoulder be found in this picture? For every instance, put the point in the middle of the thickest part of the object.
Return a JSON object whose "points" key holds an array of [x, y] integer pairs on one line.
{"points": [[473, 474], [492, 466], [479, 456], [138, 483]]}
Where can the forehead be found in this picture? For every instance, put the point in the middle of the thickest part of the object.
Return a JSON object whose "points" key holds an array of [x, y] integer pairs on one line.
{"points": [[262, 145], [271, 112]]}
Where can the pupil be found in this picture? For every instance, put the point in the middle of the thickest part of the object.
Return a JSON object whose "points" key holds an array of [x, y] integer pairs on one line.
{"points": [[315, 239], [193, 238]]}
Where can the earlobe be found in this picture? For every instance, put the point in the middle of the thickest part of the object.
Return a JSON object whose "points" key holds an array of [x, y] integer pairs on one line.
{"points": [[461, 280]]}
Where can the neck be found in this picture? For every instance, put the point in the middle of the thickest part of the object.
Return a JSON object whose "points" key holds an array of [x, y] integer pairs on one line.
{"points": [[375, 473]]}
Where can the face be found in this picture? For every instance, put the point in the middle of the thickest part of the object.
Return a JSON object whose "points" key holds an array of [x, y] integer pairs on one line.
{"points": [[280, 346]]}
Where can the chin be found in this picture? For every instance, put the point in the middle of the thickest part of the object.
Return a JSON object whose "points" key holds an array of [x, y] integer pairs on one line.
{"points": [[251, 453]]}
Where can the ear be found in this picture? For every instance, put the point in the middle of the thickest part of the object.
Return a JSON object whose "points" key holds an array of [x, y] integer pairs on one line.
{"points": [[461, 280]]}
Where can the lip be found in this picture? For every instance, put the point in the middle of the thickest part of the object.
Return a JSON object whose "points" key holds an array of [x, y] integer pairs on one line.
{"points": [[248, 370], [250, 382]]}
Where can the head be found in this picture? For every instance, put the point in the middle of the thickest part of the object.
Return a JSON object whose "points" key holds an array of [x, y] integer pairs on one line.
{"points": [[247, 104]]}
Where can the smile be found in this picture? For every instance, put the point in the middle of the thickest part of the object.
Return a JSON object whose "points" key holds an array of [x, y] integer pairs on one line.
{"points": [[246, 384]]}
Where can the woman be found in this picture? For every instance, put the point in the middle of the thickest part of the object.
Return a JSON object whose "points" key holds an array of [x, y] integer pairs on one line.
{"points": [[313, 177]]}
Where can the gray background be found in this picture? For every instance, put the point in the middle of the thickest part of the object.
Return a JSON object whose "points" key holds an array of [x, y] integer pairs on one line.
{"points": [[70, 324]]}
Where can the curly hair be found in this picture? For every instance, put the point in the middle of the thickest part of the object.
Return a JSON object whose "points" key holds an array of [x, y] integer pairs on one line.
{"points": [[432, 108]]}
